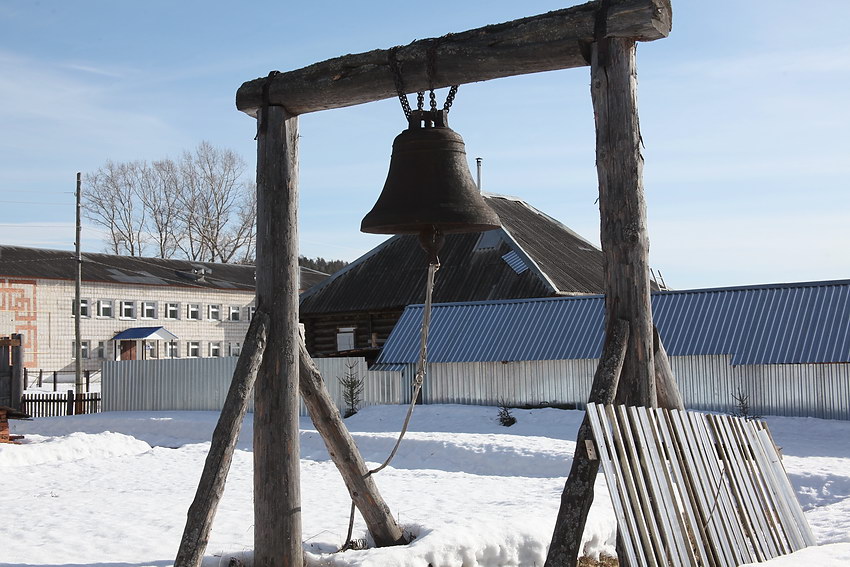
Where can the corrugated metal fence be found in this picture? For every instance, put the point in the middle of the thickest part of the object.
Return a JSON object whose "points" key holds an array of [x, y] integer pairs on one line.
{"points": [[202, 383], [708, 383]]}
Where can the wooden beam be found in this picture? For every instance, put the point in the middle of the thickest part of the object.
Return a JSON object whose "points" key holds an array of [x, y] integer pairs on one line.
{"points": [[346, 456], [622, 208], [666, 388], [277, 497], [547, 42], [577, 496], [199, 519]]}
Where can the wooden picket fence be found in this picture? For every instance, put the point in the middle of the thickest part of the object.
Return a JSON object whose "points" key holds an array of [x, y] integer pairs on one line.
{"points": [[693, 489], [48, 405]]}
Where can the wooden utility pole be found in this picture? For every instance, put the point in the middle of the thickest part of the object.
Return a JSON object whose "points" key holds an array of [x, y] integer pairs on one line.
{"points": [[78, 281], [277, 496]]}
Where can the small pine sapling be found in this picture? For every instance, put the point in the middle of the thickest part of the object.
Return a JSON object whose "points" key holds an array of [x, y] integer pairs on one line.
{"points": [[352, 390], [742, 406], [506, 418]]}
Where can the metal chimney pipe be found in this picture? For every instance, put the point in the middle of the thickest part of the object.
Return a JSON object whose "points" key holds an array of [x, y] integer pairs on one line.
{"points": [[478, 161]]}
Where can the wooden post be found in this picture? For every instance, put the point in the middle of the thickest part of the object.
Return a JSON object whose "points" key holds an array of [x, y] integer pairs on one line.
{"points": [[199, 519], [69, 403], [667, 389], [578, 490], [622, 207], [277, 499], [87, 374], [18, 380], [345, 455], [40, 376], [55, 379]]}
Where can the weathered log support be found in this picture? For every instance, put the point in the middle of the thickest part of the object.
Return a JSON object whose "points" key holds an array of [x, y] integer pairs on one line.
{"points": [[211, 486], [346, 456], [666, 388], [547, 42], [646, 378], [622, 207], [578, 490], [277, 496]]}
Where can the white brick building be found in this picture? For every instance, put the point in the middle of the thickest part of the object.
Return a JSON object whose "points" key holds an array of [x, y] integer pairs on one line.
{"points": [[131, 308]]}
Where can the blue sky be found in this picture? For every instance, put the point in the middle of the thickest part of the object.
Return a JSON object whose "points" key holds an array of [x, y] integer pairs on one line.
{"points": [[744, 115]]}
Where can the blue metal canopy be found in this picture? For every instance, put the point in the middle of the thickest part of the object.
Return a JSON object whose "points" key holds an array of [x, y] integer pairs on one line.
{"points": [[141, 333], [764, 324]]}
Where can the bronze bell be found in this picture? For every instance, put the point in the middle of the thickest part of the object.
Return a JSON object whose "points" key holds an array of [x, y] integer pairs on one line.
{"points": [[429, 189]]}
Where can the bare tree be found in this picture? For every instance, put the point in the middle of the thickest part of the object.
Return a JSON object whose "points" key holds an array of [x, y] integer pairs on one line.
{"points": [[214, 204], [111, 201], [198, 207], [159, 193]]}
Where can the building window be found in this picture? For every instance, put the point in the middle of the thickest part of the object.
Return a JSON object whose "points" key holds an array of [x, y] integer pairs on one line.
{"points": [[345, 338], [214, 312], [101, 349], [193, 311], [171, 350], [152, 349], [148, 309], [235, 313], [84, 308], [193, 349], [104, 308], [215, 349], [128, 309], [235, 349], [84, 349], [172, 310]]}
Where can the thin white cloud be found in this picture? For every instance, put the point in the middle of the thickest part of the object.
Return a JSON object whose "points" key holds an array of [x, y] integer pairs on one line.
{"points": [[94, 70]]}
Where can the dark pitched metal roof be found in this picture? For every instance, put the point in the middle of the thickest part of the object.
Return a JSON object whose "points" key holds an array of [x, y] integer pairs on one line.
{"points": [[21, 262], [570, 262], [533, 255], [765, 324], [311, 277]]}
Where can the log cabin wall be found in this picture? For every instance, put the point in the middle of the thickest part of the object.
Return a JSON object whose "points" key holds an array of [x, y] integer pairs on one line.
{"points": [[321, 329]]}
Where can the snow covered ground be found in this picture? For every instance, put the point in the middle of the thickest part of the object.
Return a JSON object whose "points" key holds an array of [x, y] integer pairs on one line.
{"points": [[112, 489]]}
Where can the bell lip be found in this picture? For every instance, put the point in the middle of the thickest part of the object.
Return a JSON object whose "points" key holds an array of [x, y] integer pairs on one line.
{"points": [[417, 228]]}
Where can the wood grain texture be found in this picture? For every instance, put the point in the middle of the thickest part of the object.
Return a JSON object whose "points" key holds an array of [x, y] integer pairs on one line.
{"points": [[622, 208], [277, 497], [666, 389], [546, 42]]}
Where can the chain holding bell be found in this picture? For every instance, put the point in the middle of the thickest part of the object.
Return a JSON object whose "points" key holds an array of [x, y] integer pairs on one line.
{"points": [[429, 188]]}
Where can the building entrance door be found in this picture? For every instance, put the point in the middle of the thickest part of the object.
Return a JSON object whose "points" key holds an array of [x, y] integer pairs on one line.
{"points": [[128, 350]]}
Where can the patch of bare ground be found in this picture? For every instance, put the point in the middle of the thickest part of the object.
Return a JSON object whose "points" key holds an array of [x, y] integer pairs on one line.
{"points": [[603, 561]]}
